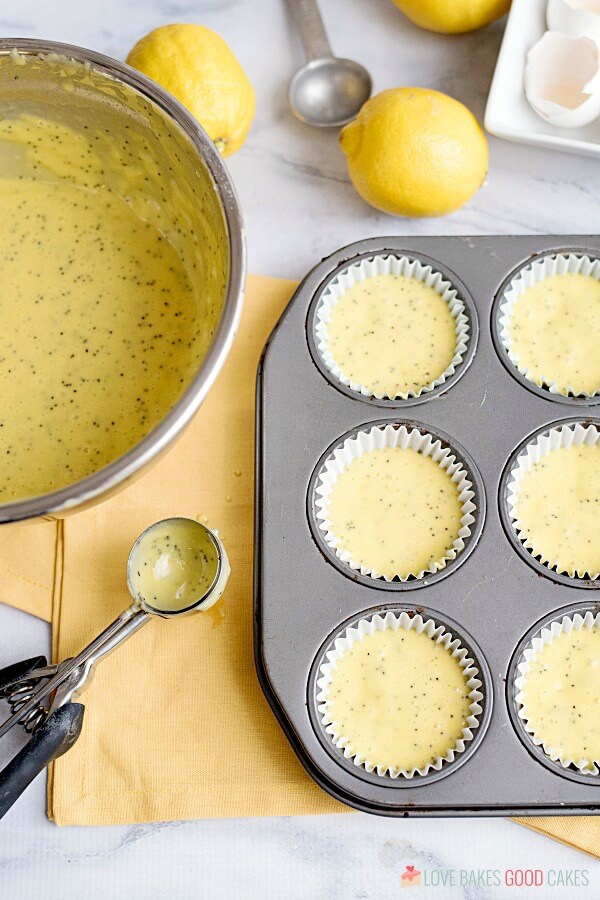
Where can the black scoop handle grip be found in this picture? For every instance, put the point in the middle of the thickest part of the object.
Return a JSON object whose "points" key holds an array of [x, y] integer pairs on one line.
{"points": [[53, 738], [19, 670]]}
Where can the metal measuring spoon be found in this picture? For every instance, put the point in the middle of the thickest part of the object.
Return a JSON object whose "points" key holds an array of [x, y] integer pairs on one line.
{"points": [[42, 697], [327, 90]]}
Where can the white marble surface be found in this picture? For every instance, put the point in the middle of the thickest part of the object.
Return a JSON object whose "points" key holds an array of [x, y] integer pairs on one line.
{"points": [[299, 206]]}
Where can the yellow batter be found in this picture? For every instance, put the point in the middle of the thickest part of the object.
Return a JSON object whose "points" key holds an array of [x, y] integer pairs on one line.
{"points": [[562, 695], [558, 506], [400, 699], [395, 511], [174, 565], [554, 331], [99, 320], [392, 334]]}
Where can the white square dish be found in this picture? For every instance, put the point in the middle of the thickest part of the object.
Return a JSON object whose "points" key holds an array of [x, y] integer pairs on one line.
{"points": [[508, 114]]}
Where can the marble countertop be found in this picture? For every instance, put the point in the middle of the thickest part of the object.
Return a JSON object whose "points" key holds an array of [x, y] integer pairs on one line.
{"points": [[299, 206]]}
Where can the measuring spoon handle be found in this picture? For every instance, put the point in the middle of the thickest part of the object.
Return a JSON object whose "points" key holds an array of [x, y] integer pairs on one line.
{"points": [[309, 23]]}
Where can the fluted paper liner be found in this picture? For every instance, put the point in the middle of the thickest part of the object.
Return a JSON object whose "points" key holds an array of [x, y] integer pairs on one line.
{"points": [[378, 437], [526, 277], [390, 265], [567, 435], [439, 635], [546, 636]]}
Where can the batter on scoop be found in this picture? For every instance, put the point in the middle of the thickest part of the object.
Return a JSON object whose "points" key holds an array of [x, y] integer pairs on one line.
{"points": [[174, 565]]}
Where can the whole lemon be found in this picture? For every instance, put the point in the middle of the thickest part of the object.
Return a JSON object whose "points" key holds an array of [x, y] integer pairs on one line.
{"points": [[415, 152], [453, 16], [198, 68]]}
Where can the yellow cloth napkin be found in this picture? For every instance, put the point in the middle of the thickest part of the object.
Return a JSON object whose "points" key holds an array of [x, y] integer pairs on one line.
{"points": [[176, 726], [28, 567], [579, 832]]}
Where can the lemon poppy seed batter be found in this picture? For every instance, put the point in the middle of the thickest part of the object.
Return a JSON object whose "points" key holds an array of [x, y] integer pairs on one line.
{"points": [[99, 317], [396, 511], [554, 331], [558, 508], [399, 699], [174, 566], [561, 695], [391, 333]]}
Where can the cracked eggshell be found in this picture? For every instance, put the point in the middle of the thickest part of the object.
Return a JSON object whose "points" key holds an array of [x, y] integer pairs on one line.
{"points": [[562, 79], [578, 18]]}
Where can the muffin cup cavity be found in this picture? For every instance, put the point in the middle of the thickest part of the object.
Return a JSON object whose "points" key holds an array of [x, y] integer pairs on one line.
{"points": [[438, 633], [410, 267], [526, 277], [567, 434], [394, 435], [589, 768]]}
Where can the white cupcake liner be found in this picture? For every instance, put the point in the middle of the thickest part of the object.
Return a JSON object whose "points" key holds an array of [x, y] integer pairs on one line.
{"points": [[379, 437], [536, 271], [390, 265], [439, 635], [546, 636], [571, 434]]}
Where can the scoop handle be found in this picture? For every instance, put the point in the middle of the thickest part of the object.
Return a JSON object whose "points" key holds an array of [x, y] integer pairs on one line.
{"points": [[57, 735], [19, 670], [308, 21]]}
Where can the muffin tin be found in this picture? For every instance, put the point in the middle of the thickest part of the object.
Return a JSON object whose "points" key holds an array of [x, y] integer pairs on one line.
{"points": [[492, 597]]}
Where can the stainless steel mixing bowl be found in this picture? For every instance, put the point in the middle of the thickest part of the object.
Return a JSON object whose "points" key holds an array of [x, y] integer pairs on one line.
{"points": [[134, 120]]}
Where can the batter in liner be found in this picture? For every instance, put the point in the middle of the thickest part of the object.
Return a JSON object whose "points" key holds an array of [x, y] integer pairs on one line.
{"points": [[396, 511], [399, 699], [392, 334], [554, 331], [562, 695], [558, 507]]}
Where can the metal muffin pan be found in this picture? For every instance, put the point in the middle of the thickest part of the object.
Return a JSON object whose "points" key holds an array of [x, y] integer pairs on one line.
{"points": [[493, 598]]}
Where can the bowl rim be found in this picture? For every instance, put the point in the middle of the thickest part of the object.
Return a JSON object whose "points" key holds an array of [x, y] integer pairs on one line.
{"points": [[108, 479]]}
